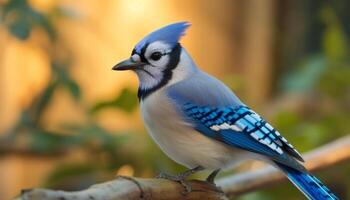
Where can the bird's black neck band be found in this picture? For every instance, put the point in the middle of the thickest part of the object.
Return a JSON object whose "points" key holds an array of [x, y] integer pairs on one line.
{"points": [[168, 73]]}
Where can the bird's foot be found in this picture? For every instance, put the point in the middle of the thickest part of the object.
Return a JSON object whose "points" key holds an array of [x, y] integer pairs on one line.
{"points": [[181, 178]]}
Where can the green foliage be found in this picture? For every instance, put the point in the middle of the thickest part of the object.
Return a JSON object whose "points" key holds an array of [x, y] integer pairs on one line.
{"points": [[335, 42], [125, 101], [91, 137], [64, 78], [95, 137], [41, 141], [327, 70], [20, 19], [307, 76], [87, 173]]}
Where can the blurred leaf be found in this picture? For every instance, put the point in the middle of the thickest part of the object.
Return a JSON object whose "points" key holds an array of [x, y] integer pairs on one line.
{"points": [[43, 21], [335, 43], [20, 28], [307, 75], [73, 88], [96, 137], [285, 121], [41, 102], [21, 18], [13, 5], [126, 101], [314, 133], [69, 170], [63, 77], [14, 16], [105, 139], [42, 141], [335, 82], [74, 176]]}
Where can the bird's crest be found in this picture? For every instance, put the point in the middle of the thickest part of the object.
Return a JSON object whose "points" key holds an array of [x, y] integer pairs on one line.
{"points": [[170, 34]]}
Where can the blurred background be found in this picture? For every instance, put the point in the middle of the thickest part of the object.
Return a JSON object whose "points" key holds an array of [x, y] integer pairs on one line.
{"points": [[69, 121]]}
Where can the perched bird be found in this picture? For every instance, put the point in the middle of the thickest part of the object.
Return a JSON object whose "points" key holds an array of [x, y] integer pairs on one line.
{"points": [[199, 122]]}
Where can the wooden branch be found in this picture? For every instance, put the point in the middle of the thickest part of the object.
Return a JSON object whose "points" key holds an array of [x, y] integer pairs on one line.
{"points": [[129, 188]]}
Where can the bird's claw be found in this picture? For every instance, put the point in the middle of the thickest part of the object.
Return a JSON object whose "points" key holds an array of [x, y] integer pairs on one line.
{"points": [[180, 178], [210, 179]]}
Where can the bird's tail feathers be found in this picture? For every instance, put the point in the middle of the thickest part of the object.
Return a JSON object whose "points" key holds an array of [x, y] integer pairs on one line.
{"points": [[312, 188]]}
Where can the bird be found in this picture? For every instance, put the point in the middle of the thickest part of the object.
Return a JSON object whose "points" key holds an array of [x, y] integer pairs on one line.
{"points": [[198, 122]]}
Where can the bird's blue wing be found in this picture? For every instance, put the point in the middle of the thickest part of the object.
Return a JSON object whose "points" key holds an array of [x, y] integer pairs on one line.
{"points": [[235, 125], [243, 128]]}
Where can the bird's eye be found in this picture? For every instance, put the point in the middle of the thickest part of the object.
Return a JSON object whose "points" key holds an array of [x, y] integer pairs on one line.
{"points": [[156, 55]]}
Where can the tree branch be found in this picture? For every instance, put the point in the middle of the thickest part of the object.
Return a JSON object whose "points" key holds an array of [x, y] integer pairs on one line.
{"points": [[129, 188]]}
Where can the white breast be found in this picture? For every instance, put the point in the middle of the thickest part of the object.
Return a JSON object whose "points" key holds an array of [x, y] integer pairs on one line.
{"points": [[180, 141]]}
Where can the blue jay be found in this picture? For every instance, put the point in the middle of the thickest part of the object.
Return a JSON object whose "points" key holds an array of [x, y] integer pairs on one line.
{"points": [[199, 122]]}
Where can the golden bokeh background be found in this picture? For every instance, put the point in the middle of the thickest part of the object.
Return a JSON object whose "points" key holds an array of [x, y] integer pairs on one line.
{"points": [[251, 45]]}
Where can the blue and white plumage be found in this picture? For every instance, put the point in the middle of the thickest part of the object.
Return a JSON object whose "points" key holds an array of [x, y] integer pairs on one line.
{"points": [[198, 121]]}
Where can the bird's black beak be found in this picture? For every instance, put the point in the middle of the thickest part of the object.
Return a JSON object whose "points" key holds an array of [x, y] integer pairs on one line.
{"points": [[128, 64]]}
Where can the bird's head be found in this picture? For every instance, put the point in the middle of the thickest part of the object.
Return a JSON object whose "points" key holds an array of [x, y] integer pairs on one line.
{"points": [[155, 58]]}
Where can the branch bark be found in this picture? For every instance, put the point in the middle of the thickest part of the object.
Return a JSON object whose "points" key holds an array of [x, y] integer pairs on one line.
{"points": [[130, 188]]}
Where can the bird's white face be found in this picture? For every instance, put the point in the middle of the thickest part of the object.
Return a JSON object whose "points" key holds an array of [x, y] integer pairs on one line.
{"points": [[154, 64], [156, 57]]}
